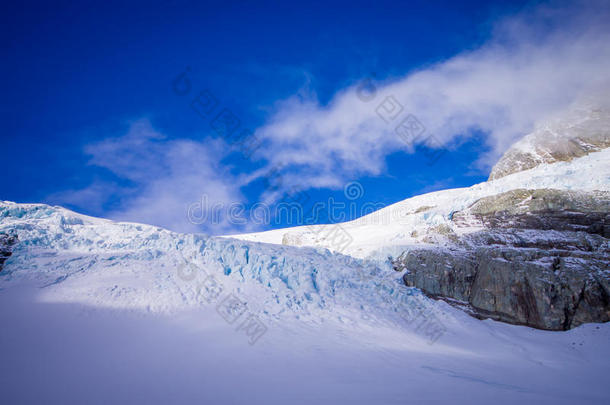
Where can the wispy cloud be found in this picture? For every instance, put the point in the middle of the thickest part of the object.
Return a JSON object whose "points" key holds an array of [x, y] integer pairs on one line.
{"points": [[163, 177], [536, 64]]}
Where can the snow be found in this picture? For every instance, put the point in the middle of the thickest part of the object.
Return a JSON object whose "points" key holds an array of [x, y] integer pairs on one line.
{"points": [[70, 354], [388, 231], [99, 311]]}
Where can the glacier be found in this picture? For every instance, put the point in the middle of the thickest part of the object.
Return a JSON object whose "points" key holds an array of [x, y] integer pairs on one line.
{"points": [[130, 312], [98, 311]]}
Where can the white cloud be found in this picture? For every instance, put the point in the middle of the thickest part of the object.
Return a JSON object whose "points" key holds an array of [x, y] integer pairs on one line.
{"points": [[536, 64], [165, 177]]}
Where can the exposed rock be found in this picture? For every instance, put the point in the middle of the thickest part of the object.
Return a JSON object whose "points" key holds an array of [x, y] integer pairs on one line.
{"points": [[423, 208], [542, 259], [442, 230], [544, 209], [6, 247]]}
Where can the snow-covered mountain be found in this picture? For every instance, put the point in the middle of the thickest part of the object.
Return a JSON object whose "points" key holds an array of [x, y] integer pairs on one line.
{"points": [[418, 220], [583, 129], [72, 258], [326, 328], [289, 316], [529, 246]]}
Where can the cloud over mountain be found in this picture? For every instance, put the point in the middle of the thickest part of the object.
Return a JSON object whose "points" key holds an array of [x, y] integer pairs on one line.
{"points": [[535, 64]]}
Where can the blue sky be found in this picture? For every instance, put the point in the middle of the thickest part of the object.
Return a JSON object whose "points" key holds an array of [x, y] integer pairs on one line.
{"points": [[91, 118]]}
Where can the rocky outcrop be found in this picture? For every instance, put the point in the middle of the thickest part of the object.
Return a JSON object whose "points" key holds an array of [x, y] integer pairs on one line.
{"points": [[555, 290], [540, 258], [543, 209], [6, 247], [577, 133]]}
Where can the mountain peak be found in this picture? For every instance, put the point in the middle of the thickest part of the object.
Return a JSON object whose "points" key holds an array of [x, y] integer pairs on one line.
{"points": [[583, 129]]}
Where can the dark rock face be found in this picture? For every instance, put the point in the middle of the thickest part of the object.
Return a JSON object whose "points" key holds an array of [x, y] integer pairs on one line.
{"points": [[6, 247], [542, 260]]}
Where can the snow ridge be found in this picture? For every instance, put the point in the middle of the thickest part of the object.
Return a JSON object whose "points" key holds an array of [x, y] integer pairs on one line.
{"points": [[416, 222], [79, 259]]}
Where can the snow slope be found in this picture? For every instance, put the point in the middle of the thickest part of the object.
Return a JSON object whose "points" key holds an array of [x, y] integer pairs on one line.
{"points": [[393, 229], [98, 311], [58, 249]]}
